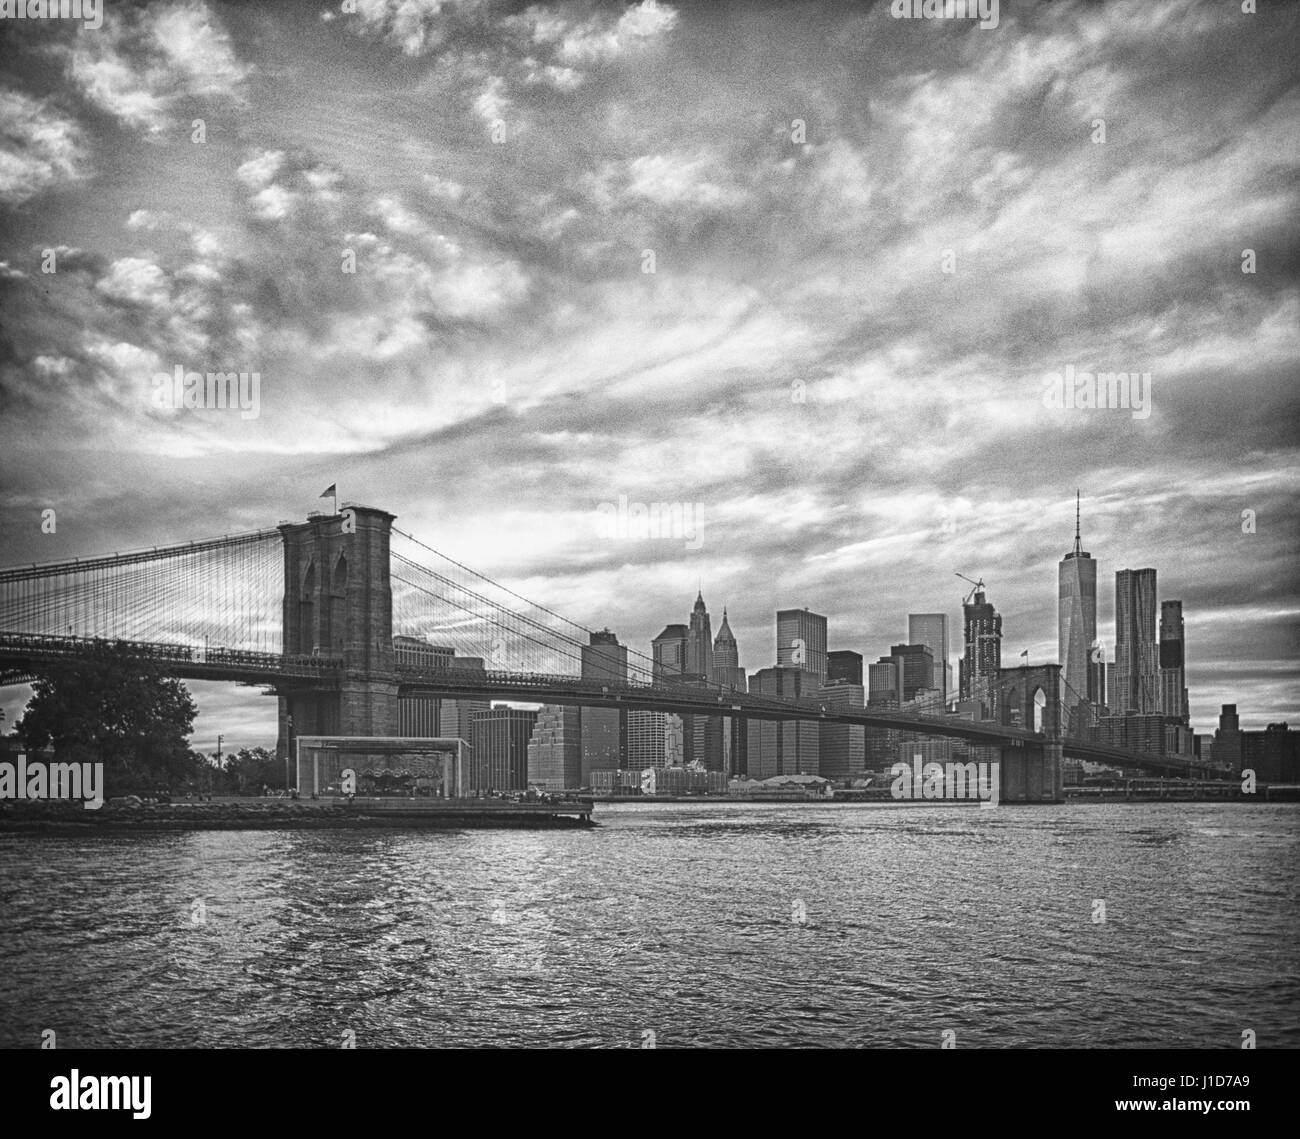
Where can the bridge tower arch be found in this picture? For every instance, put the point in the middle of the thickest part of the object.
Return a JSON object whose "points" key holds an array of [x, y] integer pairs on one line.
{"points": [[1038, 707], [1031, 770], [338, 602]]}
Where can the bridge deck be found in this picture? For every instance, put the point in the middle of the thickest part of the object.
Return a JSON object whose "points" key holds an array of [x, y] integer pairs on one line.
{"points": [[23, 655]]}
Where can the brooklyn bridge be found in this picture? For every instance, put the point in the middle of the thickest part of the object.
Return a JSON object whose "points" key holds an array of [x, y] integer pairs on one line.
{"points": [[308, 611]]}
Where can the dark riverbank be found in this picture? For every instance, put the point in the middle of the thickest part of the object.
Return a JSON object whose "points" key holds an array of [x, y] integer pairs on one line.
{"points": [[44, 817]]}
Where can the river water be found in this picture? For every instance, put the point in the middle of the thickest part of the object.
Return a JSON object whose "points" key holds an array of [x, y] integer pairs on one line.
{"points": [[719, 925]]}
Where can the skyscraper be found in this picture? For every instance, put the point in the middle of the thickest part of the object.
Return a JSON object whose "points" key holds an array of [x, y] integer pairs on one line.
{"points": [[555, 749], [1098, 690], [844, 665], [676, 650], [931, 630], [785, 747], [456, 717], [1137, 659], [699, 642], [726, 657], [727, 671], [801, 641], [916, 665], [1076, 615], [884, 692], [885, 683], [982, 660], [842, 747], [500, 759], [603, 731], [706, 738], [669, 649], [654, 739], [1173, 678], [419, 715]]}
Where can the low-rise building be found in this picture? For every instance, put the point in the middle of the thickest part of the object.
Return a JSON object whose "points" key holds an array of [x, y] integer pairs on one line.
{"points": [[617, 782], [1273, 754]]}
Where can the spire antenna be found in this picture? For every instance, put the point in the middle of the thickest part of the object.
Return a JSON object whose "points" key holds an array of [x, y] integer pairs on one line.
{"points": [[1078, 543]]}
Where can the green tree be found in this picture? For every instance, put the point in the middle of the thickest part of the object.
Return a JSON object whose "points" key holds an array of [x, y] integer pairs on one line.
{"points": [[202, 774], [248, 769], [113, 708]]}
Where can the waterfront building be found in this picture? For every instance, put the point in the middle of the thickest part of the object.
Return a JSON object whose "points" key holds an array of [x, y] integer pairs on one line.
{"points": [[842, 747], [499, 761], [555, 749], [784, 747], [654, 739], [622, 783], [1273, 754]]}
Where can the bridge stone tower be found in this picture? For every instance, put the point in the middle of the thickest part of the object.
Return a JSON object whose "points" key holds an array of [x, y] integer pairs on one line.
{"points": [[338, 601], [1031, 698]]}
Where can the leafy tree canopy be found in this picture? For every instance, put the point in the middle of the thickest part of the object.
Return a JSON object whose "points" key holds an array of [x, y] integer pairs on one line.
{"points": [[113, 708]]}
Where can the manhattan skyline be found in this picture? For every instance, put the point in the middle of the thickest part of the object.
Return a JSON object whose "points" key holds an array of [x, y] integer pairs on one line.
{"points": [[850, 422]]}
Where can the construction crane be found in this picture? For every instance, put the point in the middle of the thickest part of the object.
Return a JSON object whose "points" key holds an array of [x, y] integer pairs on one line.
{"points": [[979, 585]]}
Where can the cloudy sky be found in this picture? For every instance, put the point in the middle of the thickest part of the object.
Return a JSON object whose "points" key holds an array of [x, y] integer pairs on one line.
{"points": [[803, 267]]}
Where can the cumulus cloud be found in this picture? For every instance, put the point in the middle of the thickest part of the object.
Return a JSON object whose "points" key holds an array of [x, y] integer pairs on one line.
{"points": [[145, 61], [600, 37], [40, 147]]}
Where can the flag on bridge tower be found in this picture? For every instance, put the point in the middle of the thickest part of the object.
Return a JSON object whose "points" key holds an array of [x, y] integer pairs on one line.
{"points": [[332, 492]]}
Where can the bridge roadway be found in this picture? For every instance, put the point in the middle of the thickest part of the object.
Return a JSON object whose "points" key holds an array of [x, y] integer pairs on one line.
{"points": [[21, 656]]}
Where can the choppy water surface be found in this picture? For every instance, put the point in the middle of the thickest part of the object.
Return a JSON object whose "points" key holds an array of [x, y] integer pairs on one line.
{"points": [[681, 921]]}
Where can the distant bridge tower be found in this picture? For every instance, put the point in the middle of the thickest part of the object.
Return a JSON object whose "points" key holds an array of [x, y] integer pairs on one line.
{"points": [[1032, 698], [338, 601]]}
